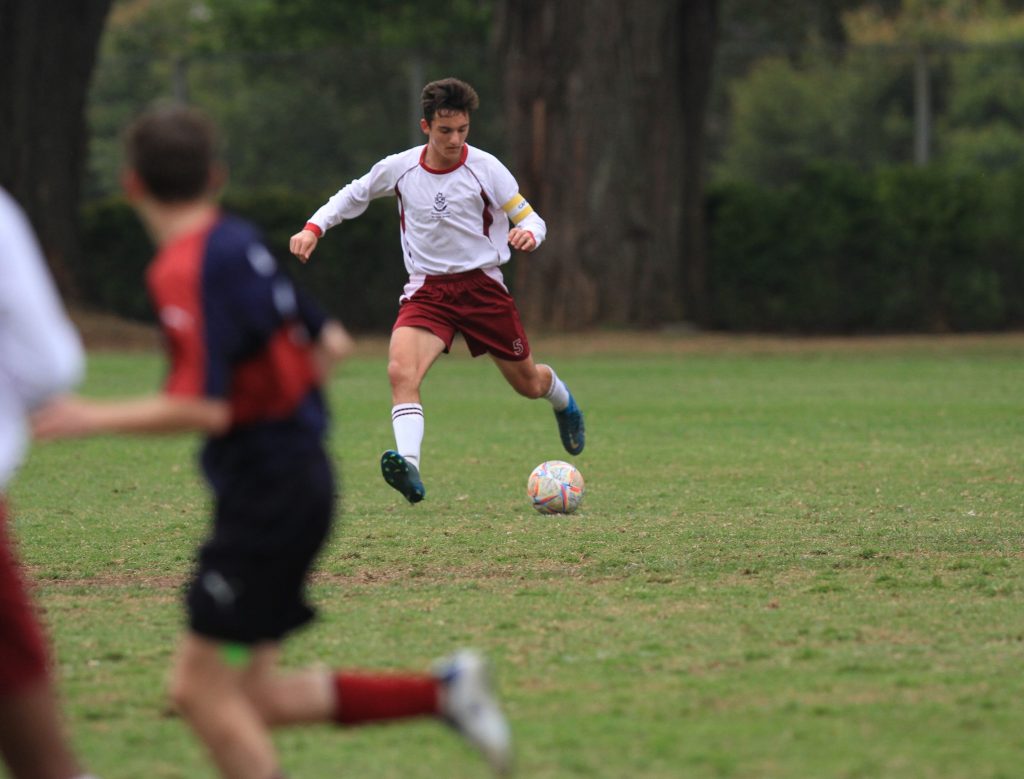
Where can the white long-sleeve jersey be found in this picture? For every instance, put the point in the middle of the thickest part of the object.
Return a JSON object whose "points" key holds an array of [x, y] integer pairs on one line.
{"points": [[40, 352], [451, 221]]}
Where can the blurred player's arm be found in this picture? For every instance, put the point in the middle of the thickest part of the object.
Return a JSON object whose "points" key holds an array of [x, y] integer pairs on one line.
{"points": [[333, 345], [73, 416], [331, 341]]}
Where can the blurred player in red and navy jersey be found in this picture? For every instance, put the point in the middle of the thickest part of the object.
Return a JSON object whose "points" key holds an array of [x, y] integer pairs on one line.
{"points": [[460, 210], [248, 352], [40, 357]]}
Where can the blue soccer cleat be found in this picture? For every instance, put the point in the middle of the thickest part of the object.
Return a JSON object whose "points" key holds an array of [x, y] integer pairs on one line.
{"points": [[570, 427], [402, 475]]}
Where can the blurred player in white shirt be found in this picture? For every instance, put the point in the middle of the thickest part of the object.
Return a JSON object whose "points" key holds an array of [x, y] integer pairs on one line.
{"points": [[40, 357], [461, 213]]}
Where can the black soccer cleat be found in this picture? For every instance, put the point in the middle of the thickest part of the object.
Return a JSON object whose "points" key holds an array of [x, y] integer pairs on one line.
{"points": [[402, 475]]}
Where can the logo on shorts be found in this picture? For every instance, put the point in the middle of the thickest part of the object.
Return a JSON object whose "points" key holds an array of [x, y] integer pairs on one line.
{"points": [[219, 589], [517, 346]]}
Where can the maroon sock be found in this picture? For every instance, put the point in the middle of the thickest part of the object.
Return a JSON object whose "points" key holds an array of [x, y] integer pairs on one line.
{"points": [[369, 698]]}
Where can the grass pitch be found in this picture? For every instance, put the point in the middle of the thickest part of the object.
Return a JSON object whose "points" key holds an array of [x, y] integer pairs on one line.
{"points": [[793, 560]]}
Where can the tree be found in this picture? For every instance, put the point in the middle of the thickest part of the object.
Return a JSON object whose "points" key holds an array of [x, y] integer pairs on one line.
{"points": [[915, 80], [47, 54], [307, 94], [605, 110]]}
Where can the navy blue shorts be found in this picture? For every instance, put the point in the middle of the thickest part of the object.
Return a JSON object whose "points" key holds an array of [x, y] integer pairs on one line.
{"points": [[269, 526]]}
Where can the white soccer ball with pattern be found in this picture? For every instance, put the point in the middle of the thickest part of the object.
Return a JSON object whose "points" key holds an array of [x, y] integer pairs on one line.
{"points": [[555, 487]]}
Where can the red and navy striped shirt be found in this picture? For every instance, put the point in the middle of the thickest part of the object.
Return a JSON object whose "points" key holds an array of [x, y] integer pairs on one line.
{"points": [[237, 328]]}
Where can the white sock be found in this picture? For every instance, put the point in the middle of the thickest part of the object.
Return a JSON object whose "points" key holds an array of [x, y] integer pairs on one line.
{"points": [[557, 393], [407, 420]]}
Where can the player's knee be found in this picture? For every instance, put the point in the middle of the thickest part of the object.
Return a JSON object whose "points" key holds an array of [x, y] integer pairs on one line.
{"points": [[400, 374], [183, 692], [262, 697], [534, 384], [531, 387]]}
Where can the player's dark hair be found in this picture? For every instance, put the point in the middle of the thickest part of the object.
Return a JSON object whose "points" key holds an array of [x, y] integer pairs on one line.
{"points": [[448, 96], [173, 149]]}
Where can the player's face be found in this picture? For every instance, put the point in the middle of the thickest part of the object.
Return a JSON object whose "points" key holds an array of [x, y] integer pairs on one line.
{"points": [[446, 136]]}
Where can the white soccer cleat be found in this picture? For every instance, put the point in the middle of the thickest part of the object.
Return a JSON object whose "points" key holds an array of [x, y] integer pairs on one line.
{"points": [[469, 704]]}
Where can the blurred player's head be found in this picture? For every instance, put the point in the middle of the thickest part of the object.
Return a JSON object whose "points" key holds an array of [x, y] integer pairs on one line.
{"points": [[171, 151], [448, 97]]}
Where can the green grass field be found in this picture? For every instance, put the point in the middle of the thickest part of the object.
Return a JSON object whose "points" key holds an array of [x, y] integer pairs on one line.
{"points": [[793, 560]]}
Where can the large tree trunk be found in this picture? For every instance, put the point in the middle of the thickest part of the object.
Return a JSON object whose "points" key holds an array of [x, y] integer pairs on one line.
{"points": [[605, 104], [698, 24], [47, 54]]}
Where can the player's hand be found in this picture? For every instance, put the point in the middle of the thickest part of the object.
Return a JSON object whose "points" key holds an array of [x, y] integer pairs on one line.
{"points": [[521, 240], [302, 244], [67, 416], [333, 346]]}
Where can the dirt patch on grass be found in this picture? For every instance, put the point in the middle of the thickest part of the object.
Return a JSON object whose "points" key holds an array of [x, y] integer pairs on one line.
{"points": [[365, 577]]}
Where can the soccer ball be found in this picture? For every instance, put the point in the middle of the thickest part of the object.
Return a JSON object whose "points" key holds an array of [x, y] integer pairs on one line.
{"points": [[555, 487]]}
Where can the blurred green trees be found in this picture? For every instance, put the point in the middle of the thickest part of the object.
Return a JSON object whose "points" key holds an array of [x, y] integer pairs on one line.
{"points": [[817, 218], [308, 95], [854, 100]]}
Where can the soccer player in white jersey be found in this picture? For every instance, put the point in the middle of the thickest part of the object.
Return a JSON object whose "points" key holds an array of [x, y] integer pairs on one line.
{"points": [[460, 212], [40, 357]]}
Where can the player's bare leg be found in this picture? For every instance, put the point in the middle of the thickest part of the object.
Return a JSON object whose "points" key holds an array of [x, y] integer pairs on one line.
{"points": [[537, 381], [526, 377], [459, 692], [410, 354], [208, 690], [412, 351], [287, 697]]}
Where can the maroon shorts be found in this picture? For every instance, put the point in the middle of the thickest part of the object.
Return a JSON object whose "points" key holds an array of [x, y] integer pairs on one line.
{"points": [[23, 659], [471, 303]]}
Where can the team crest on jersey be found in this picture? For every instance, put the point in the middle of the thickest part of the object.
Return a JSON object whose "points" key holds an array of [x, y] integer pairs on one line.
{"points": [[440, 206]]}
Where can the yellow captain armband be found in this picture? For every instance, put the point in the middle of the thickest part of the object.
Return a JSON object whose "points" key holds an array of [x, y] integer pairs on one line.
{"points": [[517, 208]]}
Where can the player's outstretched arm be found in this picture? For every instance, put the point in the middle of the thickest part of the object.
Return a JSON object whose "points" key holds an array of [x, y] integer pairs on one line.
{"points": [[71, 416], [302, 244]]}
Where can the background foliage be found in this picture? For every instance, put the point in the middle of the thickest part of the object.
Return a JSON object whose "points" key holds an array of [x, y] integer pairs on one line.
{"points": [[308, 95], [838, 250], [357, 273], [845, 250], [817, 224]]}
